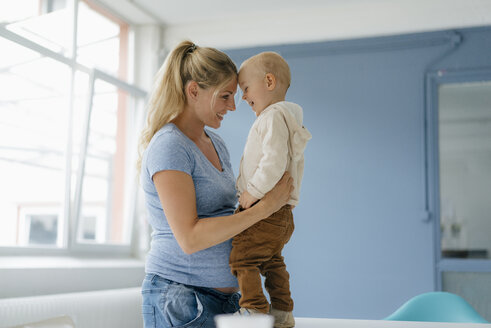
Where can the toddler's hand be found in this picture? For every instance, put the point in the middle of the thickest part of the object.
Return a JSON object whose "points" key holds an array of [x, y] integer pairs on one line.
{"points": [[246, 200]]}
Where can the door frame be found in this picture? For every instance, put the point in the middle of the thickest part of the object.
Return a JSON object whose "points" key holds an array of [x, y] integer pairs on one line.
{"points": [[434, 79]]}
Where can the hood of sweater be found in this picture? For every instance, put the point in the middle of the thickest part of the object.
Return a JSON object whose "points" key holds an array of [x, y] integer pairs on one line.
{"points": [[293, 115]]}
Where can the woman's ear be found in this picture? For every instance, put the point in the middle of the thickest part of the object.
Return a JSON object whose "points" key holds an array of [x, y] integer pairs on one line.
{"points": [[270, 80], [192, 90]]}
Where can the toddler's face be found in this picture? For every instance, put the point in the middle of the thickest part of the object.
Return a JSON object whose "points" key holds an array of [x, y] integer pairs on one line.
{"points": [[254, 89]]}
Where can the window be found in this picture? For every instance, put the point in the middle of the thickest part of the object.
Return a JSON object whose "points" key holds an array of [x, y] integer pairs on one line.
{"points": [[68, 127], [33, 136], [105, 195], [99, 33], [39, 21]]}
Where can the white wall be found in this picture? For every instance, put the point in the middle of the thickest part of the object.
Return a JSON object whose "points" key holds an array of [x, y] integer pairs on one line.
{"points": [[148, 54], [343, 20], [235, 24]]}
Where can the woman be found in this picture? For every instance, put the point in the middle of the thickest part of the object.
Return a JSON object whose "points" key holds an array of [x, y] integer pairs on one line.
{"points": [[190, 191]]}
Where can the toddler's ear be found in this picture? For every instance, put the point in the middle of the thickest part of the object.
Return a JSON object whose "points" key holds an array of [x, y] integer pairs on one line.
{"points": [[270, 80]]}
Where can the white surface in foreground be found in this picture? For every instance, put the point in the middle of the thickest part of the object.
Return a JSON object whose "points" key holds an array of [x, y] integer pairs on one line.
{"points": [[352, 323]]}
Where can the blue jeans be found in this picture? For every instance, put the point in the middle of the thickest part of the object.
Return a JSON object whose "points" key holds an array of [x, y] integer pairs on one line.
{"points": [[170, 304]]}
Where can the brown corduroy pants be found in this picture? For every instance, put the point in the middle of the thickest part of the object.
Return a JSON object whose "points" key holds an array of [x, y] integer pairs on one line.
{"points": [[257, 250]]}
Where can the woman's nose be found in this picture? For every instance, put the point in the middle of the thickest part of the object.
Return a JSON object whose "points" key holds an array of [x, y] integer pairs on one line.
{"points": [[232, 106]]}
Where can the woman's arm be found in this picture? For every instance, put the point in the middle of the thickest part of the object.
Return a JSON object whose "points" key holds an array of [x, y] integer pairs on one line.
{"points": [[177, 195]]}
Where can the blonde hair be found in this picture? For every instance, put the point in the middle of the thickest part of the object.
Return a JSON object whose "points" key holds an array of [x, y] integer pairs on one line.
{"points": [[271, 62], [208, 67]]}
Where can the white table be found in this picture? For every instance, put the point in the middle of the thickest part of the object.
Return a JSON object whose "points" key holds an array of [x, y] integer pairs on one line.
{"points": [[353, 323]]}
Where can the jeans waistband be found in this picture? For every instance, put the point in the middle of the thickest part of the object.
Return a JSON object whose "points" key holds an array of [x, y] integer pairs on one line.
{"points": [[204, 290]]}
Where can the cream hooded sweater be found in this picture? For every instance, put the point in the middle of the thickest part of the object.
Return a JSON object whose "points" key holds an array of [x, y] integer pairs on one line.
{"points": [[275, 144]]}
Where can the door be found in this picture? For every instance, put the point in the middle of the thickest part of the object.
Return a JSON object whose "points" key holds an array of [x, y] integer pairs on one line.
{"points": [[460, 135]]}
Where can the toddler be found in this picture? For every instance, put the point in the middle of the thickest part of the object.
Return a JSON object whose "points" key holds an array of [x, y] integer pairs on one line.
{"points": [[276, 143]]}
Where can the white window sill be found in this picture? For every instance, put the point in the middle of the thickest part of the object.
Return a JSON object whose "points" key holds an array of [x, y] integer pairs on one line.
{"points": [[63, 262]]}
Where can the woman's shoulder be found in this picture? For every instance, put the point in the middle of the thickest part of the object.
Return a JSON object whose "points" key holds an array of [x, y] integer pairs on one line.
{"points": [[169, 136], [168, 150]]}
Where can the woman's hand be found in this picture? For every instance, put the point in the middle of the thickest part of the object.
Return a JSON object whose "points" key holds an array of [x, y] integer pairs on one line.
{"points": [[277, 197], [246, 200]]}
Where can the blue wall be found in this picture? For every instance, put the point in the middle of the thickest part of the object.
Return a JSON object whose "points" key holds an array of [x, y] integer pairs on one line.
{"points": [[361, 245]]}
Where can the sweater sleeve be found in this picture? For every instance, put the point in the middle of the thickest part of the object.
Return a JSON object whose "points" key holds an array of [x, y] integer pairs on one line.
{"points": [[274, 133]]}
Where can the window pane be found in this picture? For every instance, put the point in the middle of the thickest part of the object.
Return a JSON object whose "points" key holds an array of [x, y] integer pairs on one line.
{"points": [[12, 11], [101, 42], [104, 213], [474, 287], [465, 169], [33, 140], [46, 22]]}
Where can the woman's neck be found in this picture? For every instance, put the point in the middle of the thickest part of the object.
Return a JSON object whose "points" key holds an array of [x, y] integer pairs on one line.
{"points": [[190, 126]]}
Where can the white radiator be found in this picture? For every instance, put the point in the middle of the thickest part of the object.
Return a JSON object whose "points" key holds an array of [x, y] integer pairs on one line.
{"points": [[96, 309]]}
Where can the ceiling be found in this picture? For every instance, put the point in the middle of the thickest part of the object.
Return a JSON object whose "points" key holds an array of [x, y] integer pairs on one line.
{"points": [[172, 12], [231, 23]]}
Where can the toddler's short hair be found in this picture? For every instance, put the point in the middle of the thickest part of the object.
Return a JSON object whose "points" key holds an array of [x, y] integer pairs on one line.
{"points": [[271, 62]]}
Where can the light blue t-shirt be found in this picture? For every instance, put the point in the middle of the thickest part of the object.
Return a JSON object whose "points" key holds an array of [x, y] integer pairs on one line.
{"points": [[170, 149]]}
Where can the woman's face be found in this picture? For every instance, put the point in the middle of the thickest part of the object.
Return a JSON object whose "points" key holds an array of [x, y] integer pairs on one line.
{"points": [[213, 109]]}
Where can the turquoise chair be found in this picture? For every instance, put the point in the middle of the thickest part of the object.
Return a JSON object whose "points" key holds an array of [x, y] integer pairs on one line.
{"points": [[437, 307]]}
